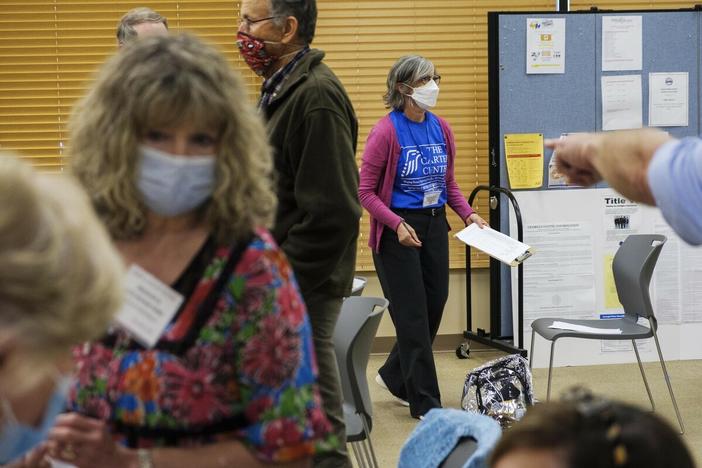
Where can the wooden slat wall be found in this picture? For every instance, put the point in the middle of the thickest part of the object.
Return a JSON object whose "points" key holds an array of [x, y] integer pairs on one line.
{"points": [[50, 48]]}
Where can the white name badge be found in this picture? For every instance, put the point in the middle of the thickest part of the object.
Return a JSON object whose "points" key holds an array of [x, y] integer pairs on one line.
{"points": [[431, 198], [149, 305]]}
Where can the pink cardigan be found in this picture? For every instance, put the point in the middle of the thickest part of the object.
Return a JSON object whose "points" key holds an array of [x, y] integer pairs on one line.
{"points": [[378, 170]]}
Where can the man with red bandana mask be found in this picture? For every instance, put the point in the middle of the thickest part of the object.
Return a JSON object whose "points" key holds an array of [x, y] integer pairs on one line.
{"points": [[313, 129]]}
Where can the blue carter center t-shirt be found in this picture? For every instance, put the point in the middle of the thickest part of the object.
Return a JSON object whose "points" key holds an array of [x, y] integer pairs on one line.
{"points": [[420, 181]]}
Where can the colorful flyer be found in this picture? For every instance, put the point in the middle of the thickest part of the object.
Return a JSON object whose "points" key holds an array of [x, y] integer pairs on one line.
{"points": [[524, 153], [545, 38]]}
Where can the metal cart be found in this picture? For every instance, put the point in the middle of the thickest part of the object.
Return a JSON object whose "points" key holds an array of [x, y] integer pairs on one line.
{"points": [[494, 337]]}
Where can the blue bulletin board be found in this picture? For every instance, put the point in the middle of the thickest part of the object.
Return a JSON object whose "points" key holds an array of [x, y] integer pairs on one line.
{"points": [[557, 103]]}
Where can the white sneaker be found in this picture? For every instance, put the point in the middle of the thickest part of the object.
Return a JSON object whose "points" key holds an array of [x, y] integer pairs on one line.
{"points": [[379, 380], [421, 418]]}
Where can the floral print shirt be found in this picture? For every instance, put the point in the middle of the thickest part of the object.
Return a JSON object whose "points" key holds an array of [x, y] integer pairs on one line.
{"points": [[243, 370]]}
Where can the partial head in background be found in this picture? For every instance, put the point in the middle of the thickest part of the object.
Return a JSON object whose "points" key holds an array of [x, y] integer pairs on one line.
{"points": [[139, 23], [406, 82], [584, 431], [145, 97], [60, 285]]}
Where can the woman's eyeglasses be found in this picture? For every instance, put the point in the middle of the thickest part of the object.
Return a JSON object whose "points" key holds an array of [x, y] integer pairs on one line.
{"points": [[425, 80]]}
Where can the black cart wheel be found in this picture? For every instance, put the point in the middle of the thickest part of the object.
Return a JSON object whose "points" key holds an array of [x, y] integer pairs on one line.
{"points": [[463, 351]]}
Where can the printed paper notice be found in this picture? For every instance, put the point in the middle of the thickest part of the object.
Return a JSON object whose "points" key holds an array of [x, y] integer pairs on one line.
{"points": [[621, 218], [616, 346], [559, 281], [545, 45], [621, 102], [524, 153], [622, 43], [666, 292], [668, 103], [691, 272]]}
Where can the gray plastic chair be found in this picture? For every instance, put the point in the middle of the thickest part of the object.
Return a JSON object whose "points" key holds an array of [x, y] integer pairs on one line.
{"points": [[353, 337], [633, 268], [460, 454], [360, 284]]}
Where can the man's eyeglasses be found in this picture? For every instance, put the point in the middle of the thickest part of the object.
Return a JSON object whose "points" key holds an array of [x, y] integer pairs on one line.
{"points": [[250, 22]]}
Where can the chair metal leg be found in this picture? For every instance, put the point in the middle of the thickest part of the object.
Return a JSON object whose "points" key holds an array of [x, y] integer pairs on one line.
{"points": [[366, 430], [373, 462], [550, 368], [356, 455], [667, 381], [366, 456], [643, 374], [531, 350]]}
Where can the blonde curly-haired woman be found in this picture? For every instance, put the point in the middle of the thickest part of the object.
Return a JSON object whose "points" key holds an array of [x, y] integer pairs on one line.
{"points": [[176, 162]]}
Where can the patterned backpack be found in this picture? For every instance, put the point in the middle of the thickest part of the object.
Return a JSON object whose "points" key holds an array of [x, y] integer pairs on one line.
{"points": [[501, 389]]}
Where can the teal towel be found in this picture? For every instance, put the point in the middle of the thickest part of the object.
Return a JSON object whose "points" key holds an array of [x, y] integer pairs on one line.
{"points": [[436, 436]]}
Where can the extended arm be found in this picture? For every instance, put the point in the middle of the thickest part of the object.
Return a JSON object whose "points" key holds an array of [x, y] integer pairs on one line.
{"points": [[647, 166], [620, 158], [373, 167]]}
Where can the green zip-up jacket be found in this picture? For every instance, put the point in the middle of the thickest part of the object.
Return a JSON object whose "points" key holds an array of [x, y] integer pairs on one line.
{"points": [[313, 130]]}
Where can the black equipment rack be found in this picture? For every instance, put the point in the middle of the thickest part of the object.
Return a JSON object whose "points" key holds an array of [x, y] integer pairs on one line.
{"points": [[494, 337]]}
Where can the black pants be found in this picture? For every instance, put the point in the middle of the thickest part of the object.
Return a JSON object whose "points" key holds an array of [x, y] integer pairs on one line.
{"points": [[415, 281], [323, 311]]}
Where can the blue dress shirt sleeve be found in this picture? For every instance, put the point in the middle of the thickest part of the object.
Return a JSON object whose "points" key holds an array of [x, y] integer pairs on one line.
{"points": [[675, 178]]}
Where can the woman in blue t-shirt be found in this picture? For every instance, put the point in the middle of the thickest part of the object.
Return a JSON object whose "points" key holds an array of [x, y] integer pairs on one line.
{"points": [[406, 180]]}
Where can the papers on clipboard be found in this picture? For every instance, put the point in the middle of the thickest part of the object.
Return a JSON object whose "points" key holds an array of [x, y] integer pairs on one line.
{"points": [[495, 244]]}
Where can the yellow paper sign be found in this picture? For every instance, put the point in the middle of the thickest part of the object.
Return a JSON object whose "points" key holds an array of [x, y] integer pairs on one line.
{"points": [[524, 153], [610, 288]]}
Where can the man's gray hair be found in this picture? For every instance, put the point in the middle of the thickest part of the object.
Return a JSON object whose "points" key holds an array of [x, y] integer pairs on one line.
{"points": [[125, 27], [407, 70], [305, 11]]}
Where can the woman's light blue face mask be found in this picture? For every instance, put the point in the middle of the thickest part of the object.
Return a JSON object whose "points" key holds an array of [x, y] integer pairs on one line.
{"points": [[171, 185], [17, 438]]}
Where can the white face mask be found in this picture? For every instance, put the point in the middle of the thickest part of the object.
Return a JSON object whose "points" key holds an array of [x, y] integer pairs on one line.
{"points": [[171, 185], [426, 95]]}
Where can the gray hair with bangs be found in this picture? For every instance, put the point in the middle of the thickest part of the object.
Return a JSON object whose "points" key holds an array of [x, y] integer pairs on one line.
{"points": [[406, 70]]}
